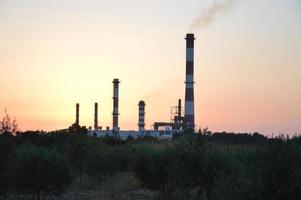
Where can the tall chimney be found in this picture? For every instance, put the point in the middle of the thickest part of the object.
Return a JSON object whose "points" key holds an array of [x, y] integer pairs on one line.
{"points": [[115, 105], [189, 92], [141, 123], [77, 114], [179, 122], [96, 116], [179, 110]]}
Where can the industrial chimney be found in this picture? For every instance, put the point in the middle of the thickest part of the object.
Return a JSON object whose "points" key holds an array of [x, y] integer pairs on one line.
{"points": [[141, 123], [189, 92], [77, 115], [95, 116], [179, 109], [115, 105], [179, 121]]}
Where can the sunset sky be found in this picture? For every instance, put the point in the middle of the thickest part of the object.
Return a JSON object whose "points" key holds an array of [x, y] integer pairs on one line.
{"points": [[56, 53]]}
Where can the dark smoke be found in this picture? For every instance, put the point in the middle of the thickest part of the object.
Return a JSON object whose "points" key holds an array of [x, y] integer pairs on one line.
{"points": [[209, 14]]}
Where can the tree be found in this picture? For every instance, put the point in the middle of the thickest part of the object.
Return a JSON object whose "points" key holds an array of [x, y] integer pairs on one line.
{"points": [[184, 167], [77, 152], [7, 145], [149, 165], [7, 125], [98, 161], [279, 170], [40, 171]]}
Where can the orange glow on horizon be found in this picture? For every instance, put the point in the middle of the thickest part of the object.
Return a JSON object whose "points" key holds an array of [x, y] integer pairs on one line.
{"points": [[247, 66]]}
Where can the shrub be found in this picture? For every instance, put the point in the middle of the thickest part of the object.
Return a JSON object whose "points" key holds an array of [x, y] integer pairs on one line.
{"points": [[40, 171], [279, 170], [7, 144], [149, 166]]}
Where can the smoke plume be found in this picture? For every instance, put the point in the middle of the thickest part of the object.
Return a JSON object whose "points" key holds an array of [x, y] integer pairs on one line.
{"points": [[209, 14]]}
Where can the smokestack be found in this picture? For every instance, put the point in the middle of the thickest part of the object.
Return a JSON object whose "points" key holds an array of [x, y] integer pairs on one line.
{"points": [[96, 116], [179, 109], [77, 114], [189, 83], [141, 123], [179, 122], [115, 105]]}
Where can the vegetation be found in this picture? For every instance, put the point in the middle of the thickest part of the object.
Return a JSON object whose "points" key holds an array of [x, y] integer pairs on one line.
{"points": [[37, 170], [205, 166], [7, 125]]}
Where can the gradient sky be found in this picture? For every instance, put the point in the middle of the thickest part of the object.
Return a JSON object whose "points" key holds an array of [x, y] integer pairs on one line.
{"points": [[55, 53]]}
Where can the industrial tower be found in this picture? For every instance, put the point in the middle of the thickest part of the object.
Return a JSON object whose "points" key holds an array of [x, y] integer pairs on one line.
{"points": [[189, 89]]}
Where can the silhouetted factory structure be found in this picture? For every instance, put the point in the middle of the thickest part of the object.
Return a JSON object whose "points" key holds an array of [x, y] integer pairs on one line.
{"points": [[163, 130]]}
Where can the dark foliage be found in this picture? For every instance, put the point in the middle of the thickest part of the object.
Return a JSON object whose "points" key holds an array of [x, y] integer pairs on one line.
{"points": [[37, 170], [279, 170], [212, 166], [7, 144]]}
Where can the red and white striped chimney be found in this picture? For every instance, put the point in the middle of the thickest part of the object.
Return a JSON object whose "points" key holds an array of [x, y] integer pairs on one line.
{"points": [[115, 105], [77, 114], [141, 123], [96, 116], [189, 92]]}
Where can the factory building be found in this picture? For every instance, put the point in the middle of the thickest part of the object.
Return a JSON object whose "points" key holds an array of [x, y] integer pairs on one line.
{"points": [[161, 130]]}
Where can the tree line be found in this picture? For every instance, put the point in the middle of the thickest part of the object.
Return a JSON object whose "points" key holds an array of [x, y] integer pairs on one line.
{"points": [[191, 166], [204, 165]]}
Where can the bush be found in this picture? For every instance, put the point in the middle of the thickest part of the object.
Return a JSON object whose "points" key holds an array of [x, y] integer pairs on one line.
{"points": [[7, 144], [279, 170], [98, 163], [184, 167], [40, 171], [211, 166], [149, 166]]}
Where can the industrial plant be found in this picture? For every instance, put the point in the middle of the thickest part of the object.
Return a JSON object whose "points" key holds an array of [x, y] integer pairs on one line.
{"points": [[161, 130]]}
